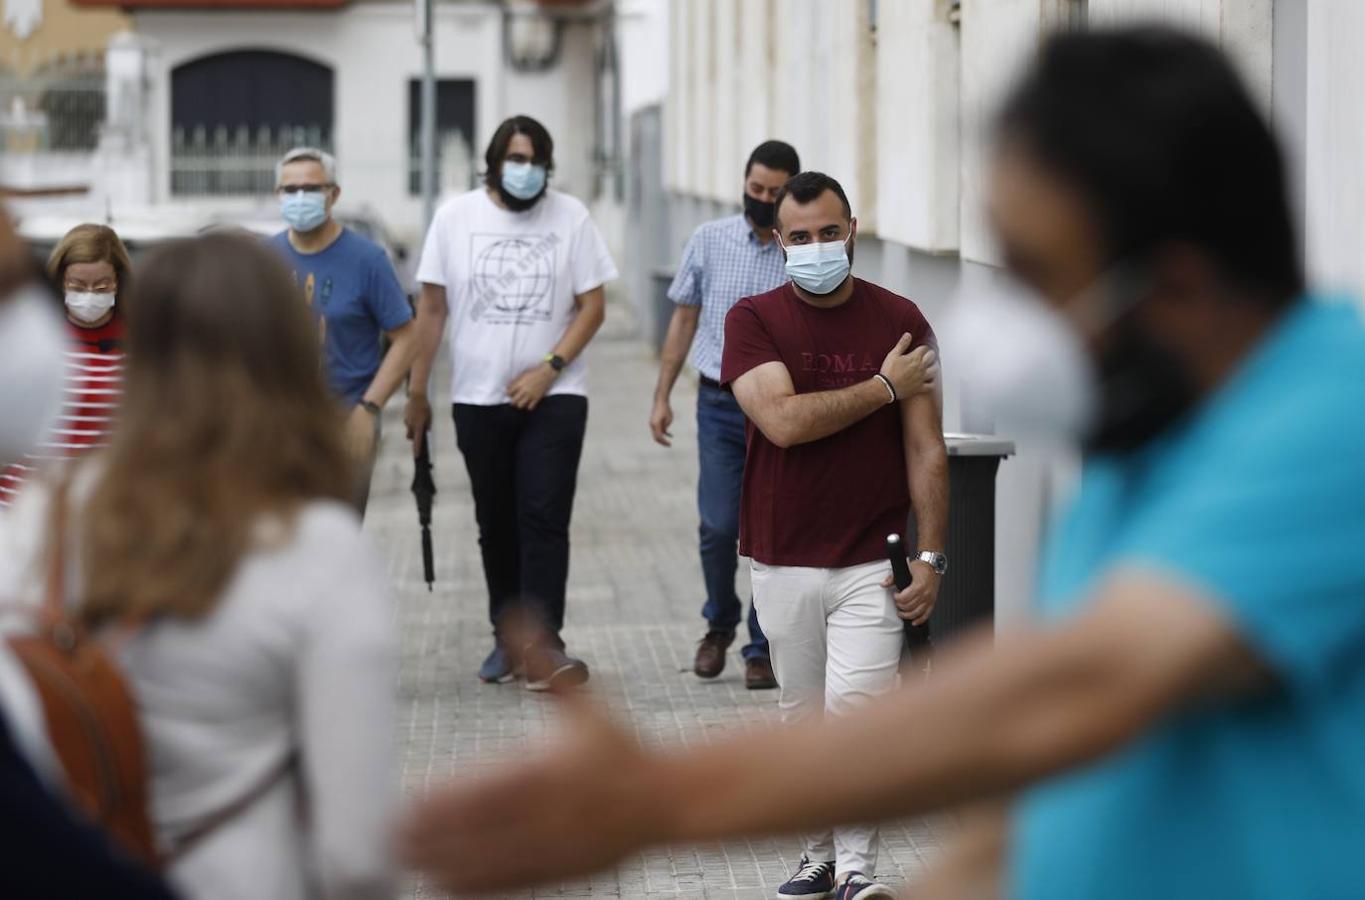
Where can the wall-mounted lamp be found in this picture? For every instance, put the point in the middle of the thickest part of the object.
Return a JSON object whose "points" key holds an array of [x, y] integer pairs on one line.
{"points": [[531, 40]]}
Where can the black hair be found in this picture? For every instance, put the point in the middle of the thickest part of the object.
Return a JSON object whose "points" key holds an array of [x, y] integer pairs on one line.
{"points": [[805, 187], [777, 155], [1164, 141], [541, 143]]}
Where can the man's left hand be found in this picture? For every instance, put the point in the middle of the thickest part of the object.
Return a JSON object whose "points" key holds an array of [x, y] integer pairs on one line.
{"points": [[530, 386], [916, 603]]}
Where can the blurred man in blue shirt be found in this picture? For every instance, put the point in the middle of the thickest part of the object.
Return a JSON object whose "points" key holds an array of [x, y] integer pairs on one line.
{"points": [[1189, 719]]}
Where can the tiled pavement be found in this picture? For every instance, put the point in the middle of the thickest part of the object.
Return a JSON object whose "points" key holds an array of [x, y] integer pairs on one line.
{"points": [[634, 595]]}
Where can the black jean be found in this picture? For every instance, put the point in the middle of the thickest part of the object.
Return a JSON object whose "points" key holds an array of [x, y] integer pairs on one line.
{"points": [[523, 468]]}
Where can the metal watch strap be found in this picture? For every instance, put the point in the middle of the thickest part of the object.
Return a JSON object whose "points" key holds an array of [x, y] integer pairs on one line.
{"points": [[935, 560]]}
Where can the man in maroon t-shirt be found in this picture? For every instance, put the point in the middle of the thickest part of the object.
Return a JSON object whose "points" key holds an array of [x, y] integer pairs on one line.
{"points": [[839, 381]]}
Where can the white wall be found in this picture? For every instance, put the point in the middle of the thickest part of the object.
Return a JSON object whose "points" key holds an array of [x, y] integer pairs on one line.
{"points": [[997, 38], [746, 71], [754, 78], [642, 41], [917, 113], [1244, 28], [1335, 146]]}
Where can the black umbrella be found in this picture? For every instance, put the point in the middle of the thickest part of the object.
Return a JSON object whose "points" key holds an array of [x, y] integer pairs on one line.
{"points": [[918, 642], [424, 489]]}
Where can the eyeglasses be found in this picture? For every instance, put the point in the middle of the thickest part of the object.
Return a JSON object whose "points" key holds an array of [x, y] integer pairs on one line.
{"points": [[304, 188], [101, 287]]}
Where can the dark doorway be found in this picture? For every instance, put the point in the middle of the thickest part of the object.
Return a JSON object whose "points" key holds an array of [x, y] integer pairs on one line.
{"points": [[454, 123], [234, 114]]}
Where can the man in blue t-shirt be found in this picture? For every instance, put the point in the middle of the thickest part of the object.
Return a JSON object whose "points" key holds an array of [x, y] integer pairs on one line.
{"points": [[350, 283], [1187, 720]]}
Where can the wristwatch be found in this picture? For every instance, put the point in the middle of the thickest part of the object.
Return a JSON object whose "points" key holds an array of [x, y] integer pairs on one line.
{"points": [[370, 407], [936, 561], [556, 361]]}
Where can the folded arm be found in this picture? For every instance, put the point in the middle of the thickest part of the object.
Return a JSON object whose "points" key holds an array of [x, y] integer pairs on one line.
{"points": [[769, 399]]}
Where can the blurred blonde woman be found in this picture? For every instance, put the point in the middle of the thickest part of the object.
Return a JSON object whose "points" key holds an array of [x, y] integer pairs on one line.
{"points": [[262, 648], [90, 266]]}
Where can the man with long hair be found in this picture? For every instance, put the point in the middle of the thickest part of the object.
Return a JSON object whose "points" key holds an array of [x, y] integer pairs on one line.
{"points": [[517, 270]]}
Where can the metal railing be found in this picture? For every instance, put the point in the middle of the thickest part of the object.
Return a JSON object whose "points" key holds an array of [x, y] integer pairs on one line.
{"points": [[54, 111], [237, 162]]}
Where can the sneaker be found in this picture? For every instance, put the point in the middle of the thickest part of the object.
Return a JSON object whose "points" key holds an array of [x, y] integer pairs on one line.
{"points": [[758, 674], [859, 886], [710, 660], [551, 667], [497, 667], [812, 880]]}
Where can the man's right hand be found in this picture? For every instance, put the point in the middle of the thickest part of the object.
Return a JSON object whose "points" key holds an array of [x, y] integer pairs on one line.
{"points": [[660, 420], [912, 372], [417, 418]]}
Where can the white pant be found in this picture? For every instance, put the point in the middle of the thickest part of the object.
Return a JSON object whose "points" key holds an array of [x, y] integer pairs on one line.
{"points": [[835, 641]]}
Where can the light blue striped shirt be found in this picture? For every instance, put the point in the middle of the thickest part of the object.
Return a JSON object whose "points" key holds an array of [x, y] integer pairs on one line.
{"points": [[722, 264]]}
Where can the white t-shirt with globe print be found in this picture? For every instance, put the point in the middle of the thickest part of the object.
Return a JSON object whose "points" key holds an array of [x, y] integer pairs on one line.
{"points": [[510, 280]]}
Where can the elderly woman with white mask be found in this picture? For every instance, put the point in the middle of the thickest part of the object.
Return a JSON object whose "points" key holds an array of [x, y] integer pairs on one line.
{"points": [[91, 267]]}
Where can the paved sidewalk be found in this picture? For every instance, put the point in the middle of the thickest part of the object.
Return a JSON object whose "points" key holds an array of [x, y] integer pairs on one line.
{"points": [[635, 594]]}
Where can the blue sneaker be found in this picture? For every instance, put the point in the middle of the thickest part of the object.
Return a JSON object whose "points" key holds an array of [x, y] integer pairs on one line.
{"points": [[859, 886], [812, 880], [497, 668]]}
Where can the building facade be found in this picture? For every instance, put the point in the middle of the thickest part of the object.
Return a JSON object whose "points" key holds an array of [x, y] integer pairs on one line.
{"points": [[231, 84], [52, 94]]}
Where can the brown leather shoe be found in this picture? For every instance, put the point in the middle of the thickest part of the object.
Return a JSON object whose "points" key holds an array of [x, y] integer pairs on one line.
{"points": [[758, 674], [710, 660]]}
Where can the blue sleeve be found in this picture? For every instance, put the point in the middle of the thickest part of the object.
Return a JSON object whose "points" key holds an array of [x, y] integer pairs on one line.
{"points": [[686, 287], [388, 303], [1273, 531]]}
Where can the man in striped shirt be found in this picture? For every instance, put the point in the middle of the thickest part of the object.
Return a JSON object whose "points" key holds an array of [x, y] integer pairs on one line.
{"points": [[91, 267], [725, 260]]}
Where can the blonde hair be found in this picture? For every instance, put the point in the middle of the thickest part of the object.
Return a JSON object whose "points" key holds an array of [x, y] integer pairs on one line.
{"points": [[225, 421], [92, 244]]}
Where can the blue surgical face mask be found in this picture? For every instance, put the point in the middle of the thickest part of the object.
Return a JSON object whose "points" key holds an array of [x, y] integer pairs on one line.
{"points": [[523, 180], [818, 268], [304, 210]]}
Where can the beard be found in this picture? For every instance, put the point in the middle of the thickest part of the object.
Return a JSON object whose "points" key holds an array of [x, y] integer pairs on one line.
{"points": [[515, 204]]}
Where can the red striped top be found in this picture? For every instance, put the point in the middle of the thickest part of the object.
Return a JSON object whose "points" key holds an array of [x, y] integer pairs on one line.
{"points": [[94, 374]]}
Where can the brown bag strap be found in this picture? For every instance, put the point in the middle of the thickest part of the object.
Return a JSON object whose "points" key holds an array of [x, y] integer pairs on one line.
{"points": [[54, 597], [196, 835]]}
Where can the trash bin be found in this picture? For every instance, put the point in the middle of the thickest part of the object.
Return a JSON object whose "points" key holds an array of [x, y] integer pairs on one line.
{"points": [[967, 594], [659, 281]]}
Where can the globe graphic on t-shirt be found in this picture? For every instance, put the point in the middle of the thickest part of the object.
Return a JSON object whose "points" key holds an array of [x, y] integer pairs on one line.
{"points": [[499, 277]]}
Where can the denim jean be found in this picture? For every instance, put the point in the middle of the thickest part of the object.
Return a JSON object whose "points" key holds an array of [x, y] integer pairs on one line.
{"points": [[720, 444], [523, 471]]}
